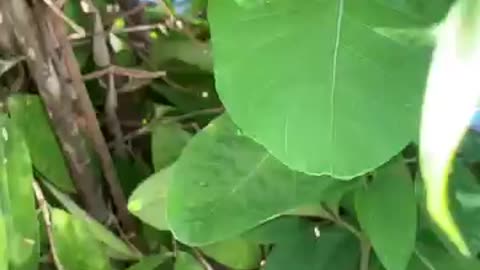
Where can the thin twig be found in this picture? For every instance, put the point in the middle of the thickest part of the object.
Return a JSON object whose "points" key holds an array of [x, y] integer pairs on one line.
{"points": [[80, 32], [365, 247], [206, 265], [111, 104], [166, 8], [365, 250], [92, 129], [339, 221], [132, 11], [133, 85], [44, 208], [131, 29], [168, 120], [123, 71]]}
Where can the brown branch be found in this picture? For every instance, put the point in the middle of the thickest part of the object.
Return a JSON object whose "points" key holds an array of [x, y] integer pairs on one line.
{"points": [[123, 71], [131, 29], [80, 32], [102, 58], [36, 42], [43, 206], [138, 40], [92, 128]]}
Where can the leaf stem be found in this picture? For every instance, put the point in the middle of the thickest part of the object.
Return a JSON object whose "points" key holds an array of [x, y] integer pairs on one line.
{"points": [[43, 206], [365, 250]]}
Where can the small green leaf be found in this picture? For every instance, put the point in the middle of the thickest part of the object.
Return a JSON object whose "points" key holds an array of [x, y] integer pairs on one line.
{"points": [[147, 201], [451, 99], [150, 263], [193, 53], [168, 141], [29, 115], [221, 172], [387, 212], [236, 253], [77, 248], [334, 248], [96, 229], [23, 244]]}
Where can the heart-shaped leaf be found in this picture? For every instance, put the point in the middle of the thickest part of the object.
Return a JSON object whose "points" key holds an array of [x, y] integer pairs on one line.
{"points": [[316, 84], [222, 172]]}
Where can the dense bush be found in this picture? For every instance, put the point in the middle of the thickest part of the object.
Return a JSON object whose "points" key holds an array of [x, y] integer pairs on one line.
{"points": [[240, 134]]}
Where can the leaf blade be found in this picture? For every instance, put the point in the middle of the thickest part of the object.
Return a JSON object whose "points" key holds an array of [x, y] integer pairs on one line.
{"points": [[446, 114], [386, 211]]}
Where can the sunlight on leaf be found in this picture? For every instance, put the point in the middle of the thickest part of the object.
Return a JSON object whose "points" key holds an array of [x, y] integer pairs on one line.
{"points": [[450, 101]]}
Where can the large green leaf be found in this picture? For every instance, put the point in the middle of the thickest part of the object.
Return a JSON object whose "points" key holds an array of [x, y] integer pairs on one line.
{"points": [[334, 249], [77, 248], [23, 242], [221, 172], [451, 99], [236, 253], [316, 83], [98, 231], [148, 200], [387, 212], [28, 113]]}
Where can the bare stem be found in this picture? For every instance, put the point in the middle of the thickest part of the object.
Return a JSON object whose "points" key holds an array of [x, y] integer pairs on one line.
{"points": [[202, 259], [365, 250], [43, 206]]}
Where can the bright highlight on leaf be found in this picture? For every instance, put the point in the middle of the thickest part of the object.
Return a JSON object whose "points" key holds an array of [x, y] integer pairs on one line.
{"points": [[453, 90]]}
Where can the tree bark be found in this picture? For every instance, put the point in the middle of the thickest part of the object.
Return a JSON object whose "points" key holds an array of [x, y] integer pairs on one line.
{"points": [[34, 37]]}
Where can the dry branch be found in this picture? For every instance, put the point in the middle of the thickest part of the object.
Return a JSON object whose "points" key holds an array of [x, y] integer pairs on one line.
{"points": [[30, 28]]}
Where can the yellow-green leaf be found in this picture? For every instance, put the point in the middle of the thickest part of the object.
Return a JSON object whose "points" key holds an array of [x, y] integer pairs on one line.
{"points": [[117, 247], [452, 94], [76, 246]]}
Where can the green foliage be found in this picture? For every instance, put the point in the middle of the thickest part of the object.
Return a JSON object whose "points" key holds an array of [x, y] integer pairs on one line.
{"points": [[17, 202], [315, 134], [167, 144], [334, 249], [458, 53], [319, 109], [386, 211], [256, 187], [236, 253], [148, 201], [98, 232], [29, 115], [77, 249]]}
